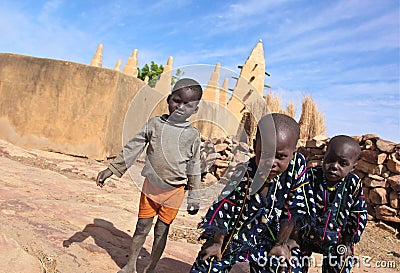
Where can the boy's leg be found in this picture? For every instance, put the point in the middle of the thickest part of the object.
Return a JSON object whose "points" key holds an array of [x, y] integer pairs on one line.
{"points": [[160, 239], [143, 227]]}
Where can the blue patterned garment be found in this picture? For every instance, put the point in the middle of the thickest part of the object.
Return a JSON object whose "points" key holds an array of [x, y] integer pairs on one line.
{"points": [[341, 219], [251, 220]]}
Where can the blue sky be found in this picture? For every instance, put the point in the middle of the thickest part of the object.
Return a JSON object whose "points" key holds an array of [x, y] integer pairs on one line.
{"points": [[344, 53]]}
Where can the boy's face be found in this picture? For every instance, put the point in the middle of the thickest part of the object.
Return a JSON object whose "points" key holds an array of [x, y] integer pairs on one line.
{"points": [[284, 152], [182, 104], [339, 160]]}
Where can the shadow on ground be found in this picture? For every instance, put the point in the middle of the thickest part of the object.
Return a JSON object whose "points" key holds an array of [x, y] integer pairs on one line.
{"points": [[117, 244]]}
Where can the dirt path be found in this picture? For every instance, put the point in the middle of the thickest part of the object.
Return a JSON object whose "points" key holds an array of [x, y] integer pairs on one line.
{"points": [[54, 219]]}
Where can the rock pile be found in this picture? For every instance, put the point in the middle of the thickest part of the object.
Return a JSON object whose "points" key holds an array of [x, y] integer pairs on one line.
{"points": [[219, 156], [378, 167]]}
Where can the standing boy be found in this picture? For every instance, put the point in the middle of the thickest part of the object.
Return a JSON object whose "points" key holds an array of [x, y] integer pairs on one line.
{"points": [[340, 206], [254, 217], [172, 162]]}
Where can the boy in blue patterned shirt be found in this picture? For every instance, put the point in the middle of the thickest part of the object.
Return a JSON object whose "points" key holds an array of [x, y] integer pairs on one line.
{"points": [[254, 217], [341, 210]]}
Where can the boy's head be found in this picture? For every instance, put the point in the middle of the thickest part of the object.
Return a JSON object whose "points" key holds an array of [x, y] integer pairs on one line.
{"points": [[276, 139], [340, 157], [184, 99]]}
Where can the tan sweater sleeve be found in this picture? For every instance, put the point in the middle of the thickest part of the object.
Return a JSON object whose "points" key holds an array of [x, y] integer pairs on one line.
{"points": [[130, 152], [194, 173]]}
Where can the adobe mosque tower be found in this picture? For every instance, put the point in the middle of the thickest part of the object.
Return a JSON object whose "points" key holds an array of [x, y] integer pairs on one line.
{"points": [[251, 80]]}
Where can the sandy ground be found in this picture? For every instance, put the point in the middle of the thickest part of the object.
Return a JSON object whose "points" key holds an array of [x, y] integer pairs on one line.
{"points": [[49, 199]]}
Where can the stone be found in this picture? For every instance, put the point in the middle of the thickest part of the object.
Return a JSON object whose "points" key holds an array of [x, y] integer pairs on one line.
{"points": [[214, 140], [376, 177], [207, 160], [393, 164], [370, 217], [385, 146], [314, 163], [221, 163], [303, 150], [311, 143], [386, 174], [371, 211], [242, 146], [369, 137], [366, 194], [367, 167], [220, 147], [380, 170], [394, 182], [229, 141], [220, 172], [369, 145], [358, 138], [372, 183], [209, 179], [316, 151], [360, 175], [394, 199], [241, 157], [378, 196], [220, 140], [370, 156], [386, 227], [387, 213], [381, 158]]}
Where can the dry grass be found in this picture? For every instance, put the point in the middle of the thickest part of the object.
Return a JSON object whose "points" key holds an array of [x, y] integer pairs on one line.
{"points": [[312, 122], [273, 103], [291, 109]]}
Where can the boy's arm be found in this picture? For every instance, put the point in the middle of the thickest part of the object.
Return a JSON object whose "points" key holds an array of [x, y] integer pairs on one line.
{"points": [[213, 248], [194, 178], [281, 247], [130, 152], [357, 219], [125, 158], [221, 215], [299, 208]]}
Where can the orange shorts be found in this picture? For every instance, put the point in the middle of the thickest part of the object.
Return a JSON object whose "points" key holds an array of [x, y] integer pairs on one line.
{"points": [[162, 202]]}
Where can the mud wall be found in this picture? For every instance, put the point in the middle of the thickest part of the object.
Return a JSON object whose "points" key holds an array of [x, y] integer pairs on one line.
{"points": [[63, 106]]}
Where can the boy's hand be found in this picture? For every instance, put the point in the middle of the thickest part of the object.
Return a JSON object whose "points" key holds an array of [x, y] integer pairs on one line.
{"points": [[193, 209], [211, 250], [102, 176], [280, 251], [292, 244]]}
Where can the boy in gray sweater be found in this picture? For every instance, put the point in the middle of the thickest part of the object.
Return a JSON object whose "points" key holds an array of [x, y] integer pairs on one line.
{"points": [[172, 163]]}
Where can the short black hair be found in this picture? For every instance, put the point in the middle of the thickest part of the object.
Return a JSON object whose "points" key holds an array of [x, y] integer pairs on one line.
{"points": [[282, 123], [342, 139], [191, 84]]}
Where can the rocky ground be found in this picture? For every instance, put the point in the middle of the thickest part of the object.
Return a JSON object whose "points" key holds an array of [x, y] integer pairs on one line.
{"points": [[55, 219]]}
